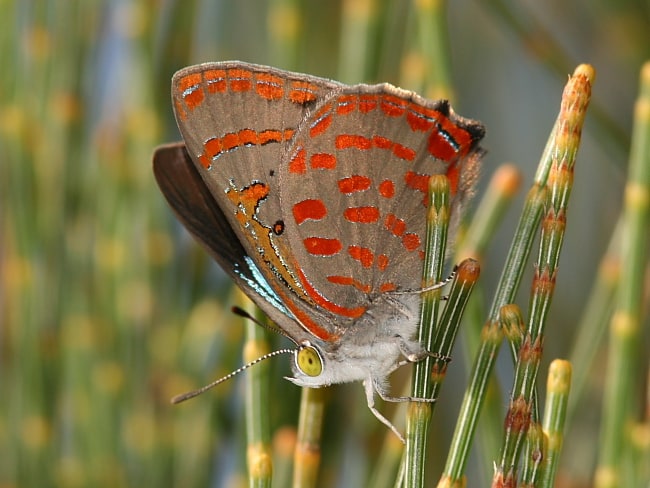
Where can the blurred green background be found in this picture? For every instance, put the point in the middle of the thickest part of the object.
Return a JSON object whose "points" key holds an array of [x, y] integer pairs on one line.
{"points": [[108, 308]]}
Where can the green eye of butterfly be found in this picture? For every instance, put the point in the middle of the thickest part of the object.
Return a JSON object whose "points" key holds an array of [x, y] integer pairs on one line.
{"points": [[309, 361]]}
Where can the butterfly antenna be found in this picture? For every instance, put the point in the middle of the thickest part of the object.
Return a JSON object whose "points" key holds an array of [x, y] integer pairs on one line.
{"points": [[243, 313], [191, 394], [442, 283], [435, 286]]}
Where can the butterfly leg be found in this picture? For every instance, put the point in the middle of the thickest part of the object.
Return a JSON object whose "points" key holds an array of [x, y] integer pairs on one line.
{"points": [[370, 386], [415, 353], [388, 398]]}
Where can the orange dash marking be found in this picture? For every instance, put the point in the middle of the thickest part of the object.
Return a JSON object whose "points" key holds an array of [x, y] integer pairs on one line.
{"points": [[386, 287], [354, 183], [240, 80], [346, 141], [418, 119], [404, 152], [382, 142], [269, 86], [230, 141], [349, 281], [346, 104], [212, 147], [321, 246], [297, 164], [411, 241], [215, 80], [324, 119], [191, 90], [362, 215], [322, 161], [439, 147], [254, 193], [367, 103], [461, 136], [417, 182], [382, 262], [362, 254], [309, 209], [303, 318], [302, 92], [387, 189], [393, 106], [396, 226], [326, 304], [248, 136]]}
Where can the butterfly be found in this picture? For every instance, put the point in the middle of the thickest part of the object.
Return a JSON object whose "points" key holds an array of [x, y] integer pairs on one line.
{"points": [[312, 196]]}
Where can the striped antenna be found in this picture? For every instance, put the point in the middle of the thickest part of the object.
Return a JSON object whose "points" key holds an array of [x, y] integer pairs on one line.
{"points": [[191, 394], [435, 286]]}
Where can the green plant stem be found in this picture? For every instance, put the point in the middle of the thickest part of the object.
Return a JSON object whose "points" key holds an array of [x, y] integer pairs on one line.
{"points": [[308, 454], [419, 413], [433, 47], [503, 186], [357, 22], [558, 387], [563, 149], [595, 318], [258, 452], [625, 341], [475, 394], [534, 454]]}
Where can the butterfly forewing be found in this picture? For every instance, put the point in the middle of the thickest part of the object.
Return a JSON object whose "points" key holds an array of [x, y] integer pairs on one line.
{"points": [[237, 120]]}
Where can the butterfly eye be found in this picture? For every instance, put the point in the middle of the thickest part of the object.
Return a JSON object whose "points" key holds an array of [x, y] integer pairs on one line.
{"points": [[309, 361]]}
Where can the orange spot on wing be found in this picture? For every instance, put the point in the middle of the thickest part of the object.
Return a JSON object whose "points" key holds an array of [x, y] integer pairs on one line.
{"points": [[387, 287], [411, 241], [269, 135], [404, 152], [417, 182], [460, 135], [309, 209], [353, 184], [254, 193], [346, 104], [324, 119], [321, 246], [302, 92], [297, 164], [269, 86], [362, 215], [349, 281], [439, 147], [393, 106], [189, 81], [387, 189], [212, 147], [191, 90], [325, 303], [346, 141], [322, 161], [240, 80], [367, 103], [395, 226], [247, 136], [215, 80], [382, 262], [418, 119], [362, 254]]}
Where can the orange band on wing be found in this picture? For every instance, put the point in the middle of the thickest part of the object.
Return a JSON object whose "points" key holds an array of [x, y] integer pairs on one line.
{"points": [[319, 299]]}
